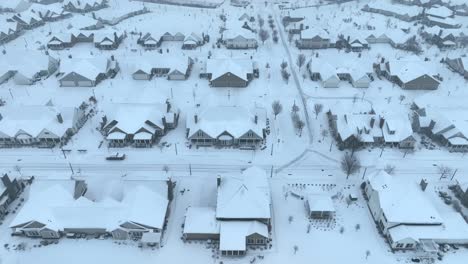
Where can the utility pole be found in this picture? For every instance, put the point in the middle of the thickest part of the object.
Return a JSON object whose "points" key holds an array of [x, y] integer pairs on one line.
{"points": [[364, 174], [271, 172], [71, 168], [271, 154], [175, 146], [190, 168], [381, 152]]}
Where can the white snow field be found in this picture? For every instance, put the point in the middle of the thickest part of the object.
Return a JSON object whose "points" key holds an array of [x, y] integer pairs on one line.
{"points": [[297, 162]]}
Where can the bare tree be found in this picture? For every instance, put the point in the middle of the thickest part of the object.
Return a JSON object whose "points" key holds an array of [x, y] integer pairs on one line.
{"points": [[290, 218], [402, 97], [277, 108], [295, 108], [284, 65], [444, 171], [264, 35], [367, 254], [390, 169], [285, 74], [296, 248], [317, 109], [299, 124], [355, 143], [350, 164], [275, 39], [300, 60], [324, 133], [261, 22]]}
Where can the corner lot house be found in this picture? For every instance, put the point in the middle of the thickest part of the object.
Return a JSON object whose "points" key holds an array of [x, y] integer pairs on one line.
{"points": [[229, 72], [227, 126], [41, 126], [139, 125], [28, 69], [87, 72], [406, 214], [369, 129], [409, 74], [57, 208], [320, 206], [242, 217], [84, 6], [9, 191]]}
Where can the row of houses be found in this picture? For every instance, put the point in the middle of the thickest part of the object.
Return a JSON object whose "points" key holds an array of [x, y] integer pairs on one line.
{"points": [[330, 75], [131, 209], [154, 40], [354, 130], [138, 125], [406, 215], [405, 13], [351, 39], [440, 16], [45, 126], [84, 6], [409, 74], [241, 218], [445, 38], [227, 126], [149, 66], [9, 31], [104, 40]]}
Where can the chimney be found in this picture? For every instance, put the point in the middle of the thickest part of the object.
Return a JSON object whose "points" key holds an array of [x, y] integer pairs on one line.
{"points": [[59, 118], [423, 184], [196, 119], [382, 122], [218, 180], [116, 39], [256, 119], [372, 121], [6, 180]]}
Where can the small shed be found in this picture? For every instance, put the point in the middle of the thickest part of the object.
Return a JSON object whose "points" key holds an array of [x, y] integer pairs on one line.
{"points": [[320, 206]]}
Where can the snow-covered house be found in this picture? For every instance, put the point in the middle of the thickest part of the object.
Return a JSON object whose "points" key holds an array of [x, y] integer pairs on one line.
{"points": [[58, 208], [150, 40], [402, 12], [27, 20], [87, 72], [407, 217], [459, 65], [9, 191], [423, 3], [439, 12], [138, 125], [9, 31], [446, 127], [411, 74], [229, 72], [330, 75], [353, 130], [108, 40], [84, 6], [239, 38], [33, 66], [161, 65], [153, 40], [49, 12], [315, 38], [440, 16], [227, 126], [242, 216], [192, 41], [319, 206], [45, 2], [42, 126], [14, 6], [445, 38]]}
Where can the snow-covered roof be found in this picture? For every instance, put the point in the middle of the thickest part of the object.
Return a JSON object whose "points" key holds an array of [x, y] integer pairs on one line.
{"points": [[234, 233], [235, 120], [454, 228], [402, 201], [234, 32], [320, 203], [150, 61], [132, 118], [447, 21], [244, 196], [33, 120], [439, 11], [408, 70], [86, 67], [411, 11], [29, 64], [238, 67], [201, 220], [312, 32], [56, 208]]}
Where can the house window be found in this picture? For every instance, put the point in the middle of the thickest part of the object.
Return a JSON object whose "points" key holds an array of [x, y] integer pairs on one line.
{"points": [[260, 241], [409, 246], [250, 241], [399, 245], [33, 233]]}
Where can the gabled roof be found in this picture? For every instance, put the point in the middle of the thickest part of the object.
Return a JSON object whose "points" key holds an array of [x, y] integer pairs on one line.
{"points": [[201, 220], [234, 233], [235, 120], [89, 68], [238, 67], [244, 196]]}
